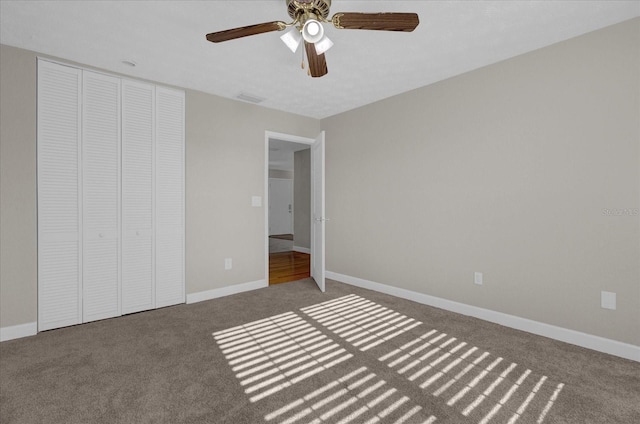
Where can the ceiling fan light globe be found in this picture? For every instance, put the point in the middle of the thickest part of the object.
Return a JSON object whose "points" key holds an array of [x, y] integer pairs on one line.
{"points": [[313, 28], [292, 39], [312, 31], [323, 45]]}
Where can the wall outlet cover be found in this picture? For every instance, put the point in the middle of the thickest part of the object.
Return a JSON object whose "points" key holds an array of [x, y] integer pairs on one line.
{"points": [[228, 263], [477, 278], [608, 300]]}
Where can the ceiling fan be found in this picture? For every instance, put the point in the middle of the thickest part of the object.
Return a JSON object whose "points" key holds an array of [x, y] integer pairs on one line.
{"points": [[308, 17]]}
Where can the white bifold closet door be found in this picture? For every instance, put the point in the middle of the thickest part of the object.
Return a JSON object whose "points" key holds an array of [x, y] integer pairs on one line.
{"points": [[59, 196], [101, 196], [138, 126], [169, 197], [110, 196]]}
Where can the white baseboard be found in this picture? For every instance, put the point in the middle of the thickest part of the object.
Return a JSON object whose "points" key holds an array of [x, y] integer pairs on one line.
{"points": [[31, 328], [18, 331], [226, 291], [302, 250], [601, 344]]}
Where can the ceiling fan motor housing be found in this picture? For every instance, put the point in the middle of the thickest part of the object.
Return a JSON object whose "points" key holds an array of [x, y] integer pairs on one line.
{"points": [[319, 8]]}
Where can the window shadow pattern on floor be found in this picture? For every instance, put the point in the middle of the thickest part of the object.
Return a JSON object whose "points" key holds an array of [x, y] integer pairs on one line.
{"points": [[273, 355]]}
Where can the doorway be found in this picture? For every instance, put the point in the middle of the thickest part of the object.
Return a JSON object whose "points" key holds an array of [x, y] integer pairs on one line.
{"points": [[294, 225]]}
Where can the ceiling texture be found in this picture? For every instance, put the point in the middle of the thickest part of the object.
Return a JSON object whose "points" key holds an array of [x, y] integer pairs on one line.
{"points": [[166, 40]]}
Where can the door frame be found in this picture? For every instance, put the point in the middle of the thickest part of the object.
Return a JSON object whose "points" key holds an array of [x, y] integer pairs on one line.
{"points": [[268, 135]]}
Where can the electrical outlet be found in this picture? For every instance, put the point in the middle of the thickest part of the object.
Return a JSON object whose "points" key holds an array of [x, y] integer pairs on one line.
{"points": [[228, 263], [608, 300], [477, 278]]}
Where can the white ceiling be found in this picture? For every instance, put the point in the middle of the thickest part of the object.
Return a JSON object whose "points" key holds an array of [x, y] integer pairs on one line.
{"points": [[167, 41]]}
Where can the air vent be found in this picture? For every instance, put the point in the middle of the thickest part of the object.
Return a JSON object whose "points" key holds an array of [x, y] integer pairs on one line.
{"points": [[250, 98]]}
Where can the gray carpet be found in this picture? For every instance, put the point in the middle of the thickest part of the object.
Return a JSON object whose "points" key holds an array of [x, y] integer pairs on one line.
{"points": [[290, 354]]}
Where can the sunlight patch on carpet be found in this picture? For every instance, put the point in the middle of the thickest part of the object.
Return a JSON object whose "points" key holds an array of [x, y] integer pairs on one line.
{"points": [[274, 353], [359, 396], [474, 382], [359, 321]]}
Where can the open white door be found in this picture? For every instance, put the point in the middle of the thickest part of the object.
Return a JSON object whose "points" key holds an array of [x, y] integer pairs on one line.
{"points": [[317, 212]]}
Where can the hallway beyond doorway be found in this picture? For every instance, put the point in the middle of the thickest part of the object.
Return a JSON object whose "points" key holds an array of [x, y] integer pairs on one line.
{"points": [[279, 245]]}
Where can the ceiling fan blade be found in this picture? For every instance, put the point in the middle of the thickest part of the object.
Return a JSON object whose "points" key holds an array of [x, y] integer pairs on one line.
{"points": [[377, 21], [231, 34], [317, 62]]}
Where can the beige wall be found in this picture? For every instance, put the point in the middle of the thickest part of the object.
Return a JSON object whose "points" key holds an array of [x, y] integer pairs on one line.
{"points": [[18, 232], [302, 198], [225, 166], [505, 170]]}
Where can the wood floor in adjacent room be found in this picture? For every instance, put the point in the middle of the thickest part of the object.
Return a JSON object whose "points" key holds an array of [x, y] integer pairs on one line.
{"points": [[288, 266]]}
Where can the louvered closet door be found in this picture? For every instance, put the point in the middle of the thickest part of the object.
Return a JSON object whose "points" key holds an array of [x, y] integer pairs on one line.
{"points": [[169, 197], [138, 288], [101, 196], [58, 151]]}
